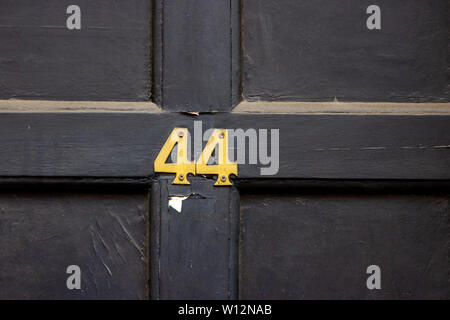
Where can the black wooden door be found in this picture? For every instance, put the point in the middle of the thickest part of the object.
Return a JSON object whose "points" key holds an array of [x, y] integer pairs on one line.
{"points": [[337, 117]]}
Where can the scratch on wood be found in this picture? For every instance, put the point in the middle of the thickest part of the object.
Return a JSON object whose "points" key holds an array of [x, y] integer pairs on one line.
{"points": [[383, 148], [130, 237]]}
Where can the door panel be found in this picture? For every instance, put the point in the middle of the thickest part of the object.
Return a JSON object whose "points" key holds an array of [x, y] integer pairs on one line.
{"points": [[195, 53], [323, 50], [194, 240], [41, 234], [320, 246], [107, 59], [310, 146]]}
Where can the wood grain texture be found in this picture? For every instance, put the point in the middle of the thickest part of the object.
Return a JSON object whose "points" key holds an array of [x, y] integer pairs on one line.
{"points": [[311, 146], [322, 50], [335, 107], [319, 246], [196, 54], [194, 251], [39, 106], [41, 234], [108, 59]]}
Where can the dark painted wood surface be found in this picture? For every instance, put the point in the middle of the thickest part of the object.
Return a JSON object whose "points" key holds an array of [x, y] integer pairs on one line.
{"points": [[108, 59], [311, 146], [319, 50], [319, 246], [196, 57], [194, 250], [41, 234]]}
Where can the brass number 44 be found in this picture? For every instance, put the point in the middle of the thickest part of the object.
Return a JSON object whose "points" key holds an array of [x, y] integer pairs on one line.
{"points": [[183, 166]]}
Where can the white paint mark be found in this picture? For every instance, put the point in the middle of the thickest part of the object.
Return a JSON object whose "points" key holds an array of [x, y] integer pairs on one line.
{"points": [[332, 149], [424, 147], [176, 202], [374, 148]]}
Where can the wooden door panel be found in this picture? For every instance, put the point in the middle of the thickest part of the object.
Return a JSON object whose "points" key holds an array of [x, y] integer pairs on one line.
{"points": [[320, 246], [107, 59], [41, 234], [114, 145], [322, 50]]}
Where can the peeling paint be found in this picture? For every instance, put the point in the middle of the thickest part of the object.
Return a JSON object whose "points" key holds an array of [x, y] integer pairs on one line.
{"points": [[176, 202]]}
